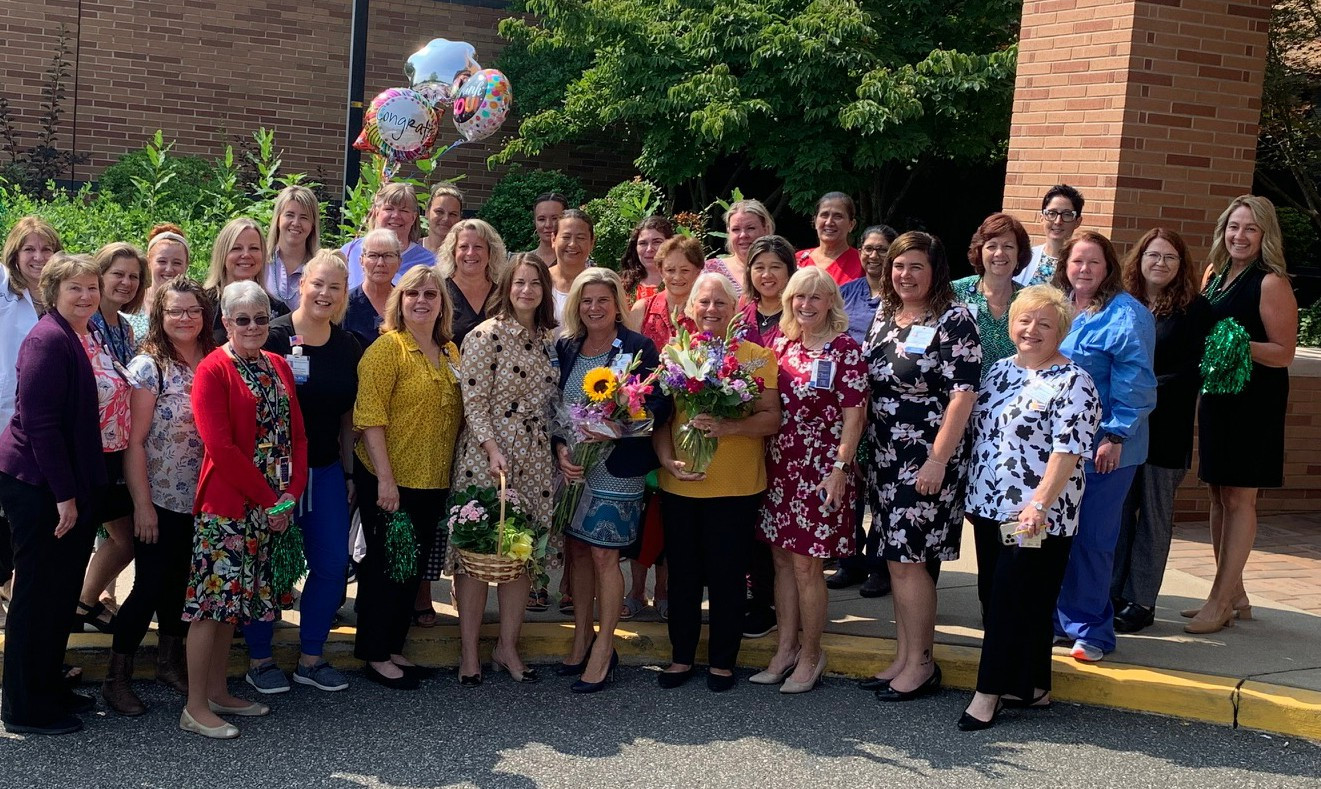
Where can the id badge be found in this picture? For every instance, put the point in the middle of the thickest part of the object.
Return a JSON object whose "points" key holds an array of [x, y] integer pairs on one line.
{"points": [[973, 308], [1038, 395], [823, 374], [919, 339], [301, 366], [284, 471]]}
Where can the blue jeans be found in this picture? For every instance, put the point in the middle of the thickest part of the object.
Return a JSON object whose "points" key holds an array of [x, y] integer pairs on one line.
{"points": [[1084, 611], [323, 515]]}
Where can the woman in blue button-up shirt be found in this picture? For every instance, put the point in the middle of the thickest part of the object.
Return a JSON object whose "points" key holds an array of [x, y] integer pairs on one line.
{"points": [[1114, 340]]}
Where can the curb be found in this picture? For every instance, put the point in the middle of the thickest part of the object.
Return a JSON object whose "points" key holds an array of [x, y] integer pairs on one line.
{"points": [[1226, 701]]}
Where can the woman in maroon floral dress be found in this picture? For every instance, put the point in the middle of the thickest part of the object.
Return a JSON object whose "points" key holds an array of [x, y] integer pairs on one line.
{"points": [[807, 513]]}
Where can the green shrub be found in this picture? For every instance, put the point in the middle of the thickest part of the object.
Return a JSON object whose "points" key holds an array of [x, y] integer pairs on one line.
{"points": [[509, 208], [616, 214], [1302, 242], [1309, 325], [193, 177]]}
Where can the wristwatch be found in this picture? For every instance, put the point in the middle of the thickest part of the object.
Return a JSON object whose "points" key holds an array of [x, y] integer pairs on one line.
{"points": [[1038, 506], [841, 465], [1114, 438]]}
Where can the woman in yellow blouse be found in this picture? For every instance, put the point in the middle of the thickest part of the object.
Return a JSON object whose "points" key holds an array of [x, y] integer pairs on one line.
{"points": [[409, 410]]}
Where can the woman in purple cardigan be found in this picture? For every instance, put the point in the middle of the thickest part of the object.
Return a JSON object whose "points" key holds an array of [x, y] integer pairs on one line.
{"points": [[51, 475]]}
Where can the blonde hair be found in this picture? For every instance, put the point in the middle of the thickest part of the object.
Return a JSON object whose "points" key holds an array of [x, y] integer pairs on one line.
{"points": [[107, 255], [725, 283], [597, 275], [754, 207], [23, 228], [400, 196], [63, 266], [1272, 241], [306, 199], [413, 279], [807, 281], [334, 260], [496, 256], [217, 278], [1044, 296]]}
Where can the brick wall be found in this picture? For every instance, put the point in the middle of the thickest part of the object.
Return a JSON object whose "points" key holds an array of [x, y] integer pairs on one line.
{"points": [[1150, 107], [210, 71], [1302, 452]]}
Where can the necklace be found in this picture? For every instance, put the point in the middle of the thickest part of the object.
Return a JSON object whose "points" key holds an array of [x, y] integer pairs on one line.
{"points": [[1214, 294], [599, 351]]}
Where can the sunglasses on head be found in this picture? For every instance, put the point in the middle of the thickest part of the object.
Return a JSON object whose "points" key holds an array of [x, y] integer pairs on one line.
{"points": [[245, 320]]}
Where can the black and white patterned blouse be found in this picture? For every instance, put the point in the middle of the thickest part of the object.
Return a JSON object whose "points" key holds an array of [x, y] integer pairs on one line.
{"points": [[1021, 418]]}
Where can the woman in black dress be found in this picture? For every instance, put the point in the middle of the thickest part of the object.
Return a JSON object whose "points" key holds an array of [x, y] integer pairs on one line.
{"points": [[1160, 274], [1241, 436]]}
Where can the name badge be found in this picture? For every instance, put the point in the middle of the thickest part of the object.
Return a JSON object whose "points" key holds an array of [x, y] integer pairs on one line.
{"points": [[823, 374], [301, 366], [974, 309], [1038, 395], [284, 471], [919, 339]]}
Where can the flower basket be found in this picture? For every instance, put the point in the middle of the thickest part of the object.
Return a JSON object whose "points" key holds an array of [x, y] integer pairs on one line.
{"points": [[492, 537]]}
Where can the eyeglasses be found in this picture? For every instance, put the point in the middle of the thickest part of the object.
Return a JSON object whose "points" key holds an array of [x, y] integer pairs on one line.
{"points": [[874, 250], [1060, 216], [243, 321], [377, 257], [191, 312], [1156, 257], [429, 295]]}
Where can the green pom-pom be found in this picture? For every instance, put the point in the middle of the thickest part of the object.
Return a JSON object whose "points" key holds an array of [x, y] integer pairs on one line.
{"points": [[400, 548], [102, 533], [1227, 361], [288, 561]]}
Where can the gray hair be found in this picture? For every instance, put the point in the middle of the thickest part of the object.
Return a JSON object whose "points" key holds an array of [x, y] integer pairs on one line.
{"points": [[243, 294], [710, 277], [381, 235]]}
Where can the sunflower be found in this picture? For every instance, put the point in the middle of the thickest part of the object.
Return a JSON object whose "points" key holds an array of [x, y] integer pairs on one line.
{"points": [[600, 384]]}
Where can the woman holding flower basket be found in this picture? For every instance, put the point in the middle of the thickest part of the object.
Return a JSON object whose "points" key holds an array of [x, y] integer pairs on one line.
{"points": [[509, 393], [713, 473], [605, 371]]}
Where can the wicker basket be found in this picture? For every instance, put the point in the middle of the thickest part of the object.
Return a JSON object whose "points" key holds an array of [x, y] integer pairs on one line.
{"points": [[491, 568]]}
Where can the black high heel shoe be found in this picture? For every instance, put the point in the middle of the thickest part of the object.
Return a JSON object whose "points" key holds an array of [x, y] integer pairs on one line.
{"points": [[574, 669], [529, 674], [593, 687], [891, 693], [969, 723]]}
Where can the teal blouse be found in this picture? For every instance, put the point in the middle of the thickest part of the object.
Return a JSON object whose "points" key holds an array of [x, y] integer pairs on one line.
{"points": [[994, 331]]}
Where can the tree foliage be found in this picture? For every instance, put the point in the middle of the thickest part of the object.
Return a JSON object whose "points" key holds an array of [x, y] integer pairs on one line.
{"points": [[821, 94], [1289, 146]]}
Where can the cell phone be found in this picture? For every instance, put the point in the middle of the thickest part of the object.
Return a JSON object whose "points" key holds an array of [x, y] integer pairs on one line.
{"points": [[1010, 536], [821, 494]]}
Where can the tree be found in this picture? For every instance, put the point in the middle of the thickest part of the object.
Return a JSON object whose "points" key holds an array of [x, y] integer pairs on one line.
{"points": [[855, 95], [1289, 144]]}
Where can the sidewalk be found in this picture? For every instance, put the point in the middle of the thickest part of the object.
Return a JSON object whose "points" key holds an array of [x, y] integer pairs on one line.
{"points": [[1261, 674]]}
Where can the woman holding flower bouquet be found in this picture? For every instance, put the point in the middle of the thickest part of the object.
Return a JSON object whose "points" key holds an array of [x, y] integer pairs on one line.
{"points": [[509, 392], [710, 499], [603, 366], [807, 514]]}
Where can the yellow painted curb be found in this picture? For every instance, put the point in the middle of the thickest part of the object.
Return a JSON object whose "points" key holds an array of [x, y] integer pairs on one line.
{"points": [[1279, 709]]}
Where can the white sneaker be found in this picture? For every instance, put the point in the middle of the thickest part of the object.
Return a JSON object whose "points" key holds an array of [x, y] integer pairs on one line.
{"points": [[1086, 653]]}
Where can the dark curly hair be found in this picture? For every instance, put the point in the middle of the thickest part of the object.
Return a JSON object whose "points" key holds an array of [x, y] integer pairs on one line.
{"points": [[631, 269], [1177, 295]]}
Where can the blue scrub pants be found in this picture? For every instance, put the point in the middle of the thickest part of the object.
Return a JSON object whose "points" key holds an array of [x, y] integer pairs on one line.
{"points": [[1084, 611]]}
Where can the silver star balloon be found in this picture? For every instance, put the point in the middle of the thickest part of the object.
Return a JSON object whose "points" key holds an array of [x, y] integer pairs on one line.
{"points": [[433, 69]]}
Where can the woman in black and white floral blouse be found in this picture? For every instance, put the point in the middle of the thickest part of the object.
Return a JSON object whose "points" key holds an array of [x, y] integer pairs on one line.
{"points": [[1036, 416]]}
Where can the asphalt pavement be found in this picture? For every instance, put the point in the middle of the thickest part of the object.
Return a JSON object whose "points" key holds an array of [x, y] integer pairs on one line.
{"points": [[503, 734]]}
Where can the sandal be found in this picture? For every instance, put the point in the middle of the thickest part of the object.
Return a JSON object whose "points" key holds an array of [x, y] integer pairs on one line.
{"points": [[91, 615], [538, 601], [424, 617], [566, 603], [632, 607]]}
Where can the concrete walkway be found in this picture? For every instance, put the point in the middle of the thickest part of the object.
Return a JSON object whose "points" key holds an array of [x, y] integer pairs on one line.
{"points": [[1263, 674]]}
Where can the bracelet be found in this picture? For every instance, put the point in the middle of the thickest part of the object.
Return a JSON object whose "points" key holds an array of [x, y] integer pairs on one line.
{"points": [[937, 462], [280, 509]]}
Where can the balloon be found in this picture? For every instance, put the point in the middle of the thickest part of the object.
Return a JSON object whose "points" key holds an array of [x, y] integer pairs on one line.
{"points": [[400, 125], [433, 69], [481, 104]]}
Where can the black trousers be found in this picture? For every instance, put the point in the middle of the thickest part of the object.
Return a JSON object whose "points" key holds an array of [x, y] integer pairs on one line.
{"points": [[707, 544], [6, 552], [160, 579], [48, 576], [1022, 585], [384, 606]]}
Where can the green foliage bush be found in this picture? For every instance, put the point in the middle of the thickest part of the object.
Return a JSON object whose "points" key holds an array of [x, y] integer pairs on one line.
{"points": [[616, 214], [194, 177], [1309, 325], [509, 208]]}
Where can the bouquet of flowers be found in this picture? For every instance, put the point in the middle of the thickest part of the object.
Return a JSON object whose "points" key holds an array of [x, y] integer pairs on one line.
{"points": [[492, 535], [704, 376], [615, 408]]}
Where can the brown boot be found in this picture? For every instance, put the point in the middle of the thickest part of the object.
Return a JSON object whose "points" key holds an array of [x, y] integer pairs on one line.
{"points": [[172, 663], [117, 690]]}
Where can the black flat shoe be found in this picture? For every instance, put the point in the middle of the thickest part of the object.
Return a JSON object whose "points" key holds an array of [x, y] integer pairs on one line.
{"points": [[969, 723], [418, 672], [874, 684], [404, 682], [66, 725], [876, 585], [843, 579], [673, 679], [595, 687], [925, 689], [1133, 617], [718, 683]]}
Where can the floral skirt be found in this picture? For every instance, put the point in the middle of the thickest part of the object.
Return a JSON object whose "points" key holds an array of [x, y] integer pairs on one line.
{"points": [[606, 520], [230, 579]]}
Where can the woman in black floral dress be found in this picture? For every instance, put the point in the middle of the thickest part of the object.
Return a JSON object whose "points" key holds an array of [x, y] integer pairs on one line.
{"points": [[924, 361]]}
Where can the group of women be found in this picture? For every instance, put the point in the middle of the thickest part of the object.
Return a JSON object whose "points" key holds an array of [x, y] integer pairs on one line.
{"points": [[213, 428]]}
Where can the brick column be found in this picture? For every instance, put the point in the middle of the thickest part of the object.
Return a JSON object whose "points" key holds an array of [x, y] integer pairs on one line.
{"points": [[1149, 107]]}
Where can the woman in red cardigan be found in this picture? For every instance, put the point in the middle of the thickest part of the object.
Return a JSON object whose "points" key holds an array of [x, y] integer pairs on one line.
{"points": [[253, 471]]}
